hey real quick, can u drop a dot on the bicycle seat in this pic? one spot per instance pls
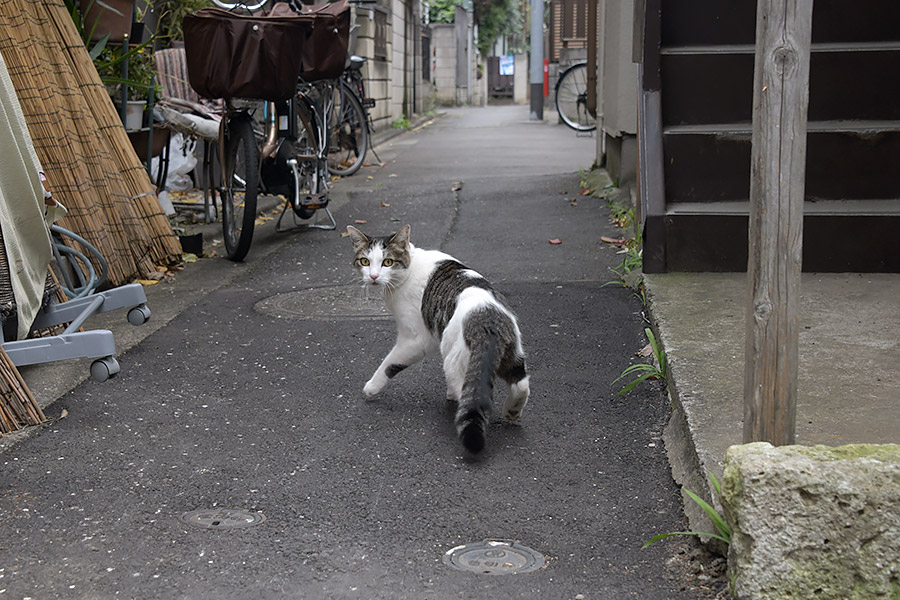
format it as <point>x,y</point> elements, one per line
<point>356,62</point>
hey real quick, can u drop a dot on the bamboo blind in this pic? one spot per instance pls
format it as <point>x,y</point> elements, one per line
<point>90,164</point>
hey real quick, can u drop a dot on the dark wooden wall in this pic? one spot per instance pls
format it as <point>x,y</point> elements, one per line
<point>698,58</point>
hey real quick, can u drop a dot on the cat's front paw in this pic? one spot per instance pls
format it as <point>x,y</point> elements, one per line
<point>512,414</point>
<point>372,387</point>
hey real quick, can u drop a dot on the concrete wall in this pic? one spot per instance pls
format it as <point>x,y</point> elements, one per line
<point>443,62</point>
<point>396,83</point>
<point>377,73</point>
<point>520,80</point>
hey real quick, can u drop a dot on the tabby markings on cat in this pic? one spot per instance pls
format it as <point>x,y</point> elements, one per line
<point>439,304</point>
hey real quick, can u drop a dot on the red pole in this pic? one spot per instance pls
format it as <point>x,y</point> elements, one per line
<point>546,77</point>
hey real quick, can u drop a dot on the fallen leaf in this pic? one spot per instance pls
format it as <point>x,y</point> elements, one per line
<point>555,241</point>
<point>360,221</point>
<point>573,203</point>
<point>586,191</point>
<point>614,241</point>
<point>645,351</point>
<point>147,281</point>
<point>392,175</point>
<point>63,414</point>
<point>189,257</point>
<point>345,234</point>
<point>384,205</point>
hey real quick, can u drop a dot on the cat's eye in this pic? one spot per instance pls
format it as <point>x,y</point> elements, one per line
<point>364,262</point>
<point>387,262</point>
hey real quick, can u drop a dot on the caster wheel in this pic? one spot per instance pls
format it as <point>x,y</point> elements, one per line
<point>139,315</point>
<point>104,368</point>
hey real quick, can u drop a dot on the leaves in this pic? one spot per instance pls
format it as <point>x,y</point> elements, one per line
<point>721,525</point>
<point>554,242</point>
<point>645,371</point>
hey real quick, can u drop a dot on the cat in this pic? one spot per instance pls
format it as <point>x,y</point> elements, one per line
<point>439,304</point>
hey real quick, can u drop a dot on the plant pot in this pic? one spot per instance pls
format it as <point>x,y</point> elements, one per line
<point>134,114</point>
<point>139,141</point>
<point>108,16</point>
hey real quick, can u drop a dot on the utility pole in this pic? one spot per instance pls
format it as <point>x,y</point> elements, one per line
<point>777,178</point>
<point>536,72</point>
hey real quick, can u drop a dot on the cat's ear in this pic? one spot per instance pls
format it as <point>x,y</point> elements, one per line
<point>359,239</point>
<point>401,238</point>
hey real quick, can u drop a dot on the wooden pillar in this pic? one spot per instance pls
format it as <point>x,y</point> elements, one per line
<point>592,37</point>
<point>778,161</point>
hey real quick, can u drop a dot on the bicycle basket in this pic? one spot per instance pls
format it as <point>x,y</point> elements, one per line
<point>238,56</point>
<point>324,55</point>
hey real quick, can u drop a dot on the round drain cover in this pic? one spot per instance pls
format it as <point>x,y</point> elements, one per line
<point>494,557</point>
<point>222,518</point>
<point>326,302</point>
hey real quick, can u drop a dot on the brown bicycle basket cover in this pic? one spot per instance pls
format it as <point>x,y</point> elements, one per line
<point>324,56</point>
<point>237,56</point>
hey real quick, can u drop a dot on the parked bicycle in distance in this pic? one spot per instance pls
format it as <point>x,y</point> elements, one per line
<point>571,98</point>
<point>274,137</point>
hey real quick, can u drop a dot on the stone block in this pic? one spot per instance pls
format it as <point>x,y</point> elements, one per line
<point>813,522</point>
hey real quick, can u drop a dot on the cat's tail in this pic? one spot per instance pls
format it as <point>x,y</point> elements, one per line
<point>475,405</point>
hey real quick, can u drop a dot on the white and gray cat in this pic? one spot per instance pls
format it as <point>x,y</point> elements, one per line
<point>438,303</point>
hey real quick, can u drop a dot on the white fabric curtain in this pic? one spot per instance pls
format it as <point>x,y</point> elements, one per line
<point>25,235</point>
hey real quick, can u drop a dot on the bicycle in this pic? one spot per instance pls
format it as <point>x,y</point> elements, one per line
<point>351,131</point>
<point>352,135</point>
<point>571,98</point>
<point>274,136</point>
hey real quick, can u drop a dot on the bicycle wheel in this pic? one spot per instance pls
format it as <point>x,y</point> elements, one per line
<point>348,139</point>
<point>571,98</point>
<point>240,186</point>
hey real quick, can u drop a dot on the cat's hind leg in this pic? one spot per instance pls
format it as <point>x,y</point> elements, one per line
<point>456,361</point>
<point>405,353</point>
<point>519,390</point>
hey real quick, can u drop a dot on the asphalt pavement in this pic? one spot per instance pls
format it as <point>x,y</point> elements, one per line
<point>244,392</point>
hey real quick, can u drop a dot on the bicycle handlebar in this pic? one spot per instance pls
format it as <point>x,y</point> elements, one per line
<point>239,4</point>
<point>251,6</point>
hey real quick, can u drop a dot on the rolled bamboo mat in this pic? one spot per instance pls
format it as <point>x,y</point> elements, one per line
<point>90,164</point>
<point>18,407</point>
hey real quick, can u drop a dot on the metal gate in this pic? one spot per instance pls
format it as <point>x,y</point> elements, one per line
<point>500,86</point>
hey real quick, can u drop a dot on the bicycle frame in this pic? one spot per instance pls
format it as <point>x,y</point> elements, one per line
<point>306,115</point>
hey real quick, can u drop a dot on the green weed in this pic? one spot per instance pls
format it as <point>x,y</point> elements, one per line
<point>402,123</point>
<point>722,528</point>
<point>645,371</point>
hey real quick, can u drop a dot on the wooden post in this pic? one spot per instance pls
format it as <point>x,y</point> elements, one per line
<point>592,37</point>
<point>778,165</point>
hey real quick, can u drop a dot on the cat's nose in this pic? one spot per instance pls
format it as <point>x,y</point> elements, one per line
<point>374,276</point>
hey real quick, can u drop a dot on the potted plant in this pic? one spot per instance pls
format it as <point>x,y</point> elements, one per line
<point>139,79</point>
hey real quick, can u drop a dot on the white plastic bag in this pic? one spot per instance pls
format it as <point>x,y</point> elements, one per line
<point>181,162</point>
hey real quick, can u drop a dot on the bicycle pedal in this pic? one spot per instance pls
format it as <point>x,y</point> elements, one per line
<point>314,202</point>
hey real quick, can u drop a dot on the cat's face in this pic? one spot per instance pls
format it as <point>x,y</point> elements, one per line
<point>381,261</point>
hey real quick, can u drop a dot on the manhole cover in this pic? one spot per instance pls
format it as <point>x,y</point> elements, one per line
<point>222,518</point>
<point>326,302</point>
<point>494,557</point>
